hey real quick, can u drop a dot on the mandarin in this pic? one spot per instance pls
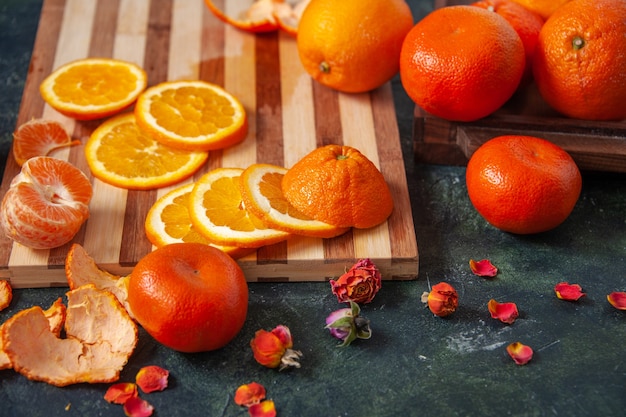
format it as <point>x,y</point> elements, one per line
<point>353,45</point>
<point>190,297</point>
<point>39,137</point>
<point>580,60</point>
<point>523,184</point>
<point>526,23</point>
<point>46,204</point>
<point>462,63</point>
<point>340,186</point>
<point>543,8</point>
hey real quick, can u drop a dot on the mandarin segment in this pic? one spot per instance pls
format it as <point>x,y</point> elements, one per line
<point>192,115</point>
<point>262,194</point>
<point>46,204</point>
<point>338,185</point>
<point>168,221</point>
<point>93,88</point>
<point>353,45</point>
<point>218,212</point>
<point>39,137</point>
<point>119,153</point>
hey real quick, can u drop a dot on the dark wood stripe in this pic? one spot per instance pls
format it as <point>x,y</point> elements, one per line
<point>135,244</point>
<point>32,105</point>
<point>401,230</point>
<point>104,29</point>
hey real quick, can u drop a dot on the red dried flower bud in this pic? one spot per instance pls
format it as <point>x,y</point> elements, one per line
<point>273,349</point>
<point>443,299</point>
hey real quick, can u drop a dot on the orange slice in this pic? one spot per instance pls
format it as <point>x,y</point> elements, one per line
<point>192,115</point>
<point>262,15</point>
<point>217,211</point>
<point>39,137</point>
<point>168,221</point>
<point>121,154</point>
<point>261,193</point>
<point>93,88</point>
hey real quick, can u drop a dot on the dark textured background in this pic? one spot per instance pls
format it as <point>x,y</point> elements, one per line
<point>415,364</point>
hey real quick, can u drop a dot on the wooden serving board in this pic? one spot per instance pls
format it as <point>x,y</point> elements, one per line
<point>595,146</point>
<point>289,116</point>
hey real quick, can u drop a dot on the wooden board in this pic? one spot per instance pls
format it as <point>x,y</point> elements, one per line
<point>595,146</point>
<point>289,116</point>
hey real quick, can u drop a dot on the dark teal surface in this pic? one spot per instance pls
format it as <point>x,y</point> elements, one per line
<point>415,364</point>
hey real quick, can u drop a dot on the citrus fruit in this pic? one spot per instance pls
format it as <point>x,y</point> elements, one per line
<point>190,297</point>
<point>523,184</point>
<point>338,185</point>
<point>262,195</point>
<point>39,137</point>
<point>46,203</point>
<point>101,337</point>
<point>579,61</point>
<point>119,153</point>
<point>168,221</point>
<point>543,8</point>
<point>353,45</point>
<point>461,63</point>
<point>191,115</point>
<point>527,24</point>
<point>6,294</point>
<point>93,88</point>
<point>217,211</point>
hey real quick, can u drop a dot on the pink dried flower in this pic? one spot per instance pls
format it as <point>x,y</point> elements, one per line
<point>360,284</point>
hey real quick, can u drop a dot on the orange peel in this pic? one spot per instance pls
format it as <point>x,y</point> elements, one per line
<point>100,338</point>
<point>6,294</point>
<point>81,269</point>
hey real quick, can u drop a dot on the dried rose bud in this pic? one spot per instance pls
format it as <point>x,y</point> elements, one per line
<point>483,268</point>
<point>617,299</point>
<point>520,353</point>
<point>346,325</point>
<point>505,312</point>
<point>442,299</point>
<point>249,394</point>
<point>569,292</point>
<point>360,284</point>
<point>273,349</point>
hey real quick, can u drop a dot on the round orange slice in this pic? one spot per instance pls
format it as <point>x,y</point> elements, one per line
<point>93,88</point>
<point>262,195</point>
<point>192,115</point>
<point>119,153</point>
<point>39,137</point>
<point>168,221</point>
<point>217,211</point>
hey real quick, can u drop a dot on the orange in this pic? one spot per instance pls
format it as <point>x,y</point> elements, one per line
<point>119,153</point>
<point>580,60</point>
<point>191,115</point>
<point>523,184</point>
<point>462,63</point>
<point>262,195</point>
<point>46,204</point>
<point>527,24</point>
<point>190,297</point>
<point>93,88</point>
<point>217,211</point>
<point>338,185</point>
<point>39,137</point>
<point>543,8</point>
<point>353,45</point>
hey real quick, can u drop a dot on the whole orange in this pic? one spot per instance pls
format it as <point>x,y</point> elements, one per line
<point>527,24</point>
<point>190,297</point>
<point>523,184</point>
<point>543,8</point>
<point>461,62</point>
<point>353,45</point>
<point>340,186</point>
<point>580,61</point>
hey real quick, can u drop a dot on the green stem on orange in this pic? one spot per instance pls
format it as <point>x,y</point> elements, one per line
<point>324,67</point>
<point>578,43</point>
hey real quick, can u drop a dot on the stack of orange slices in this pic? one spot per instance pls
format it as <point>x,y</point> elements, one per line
<point>238,209</point>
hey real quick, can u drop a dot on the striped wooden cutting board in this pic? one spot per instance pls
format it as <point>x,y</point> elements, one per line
<point>289,115</point>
